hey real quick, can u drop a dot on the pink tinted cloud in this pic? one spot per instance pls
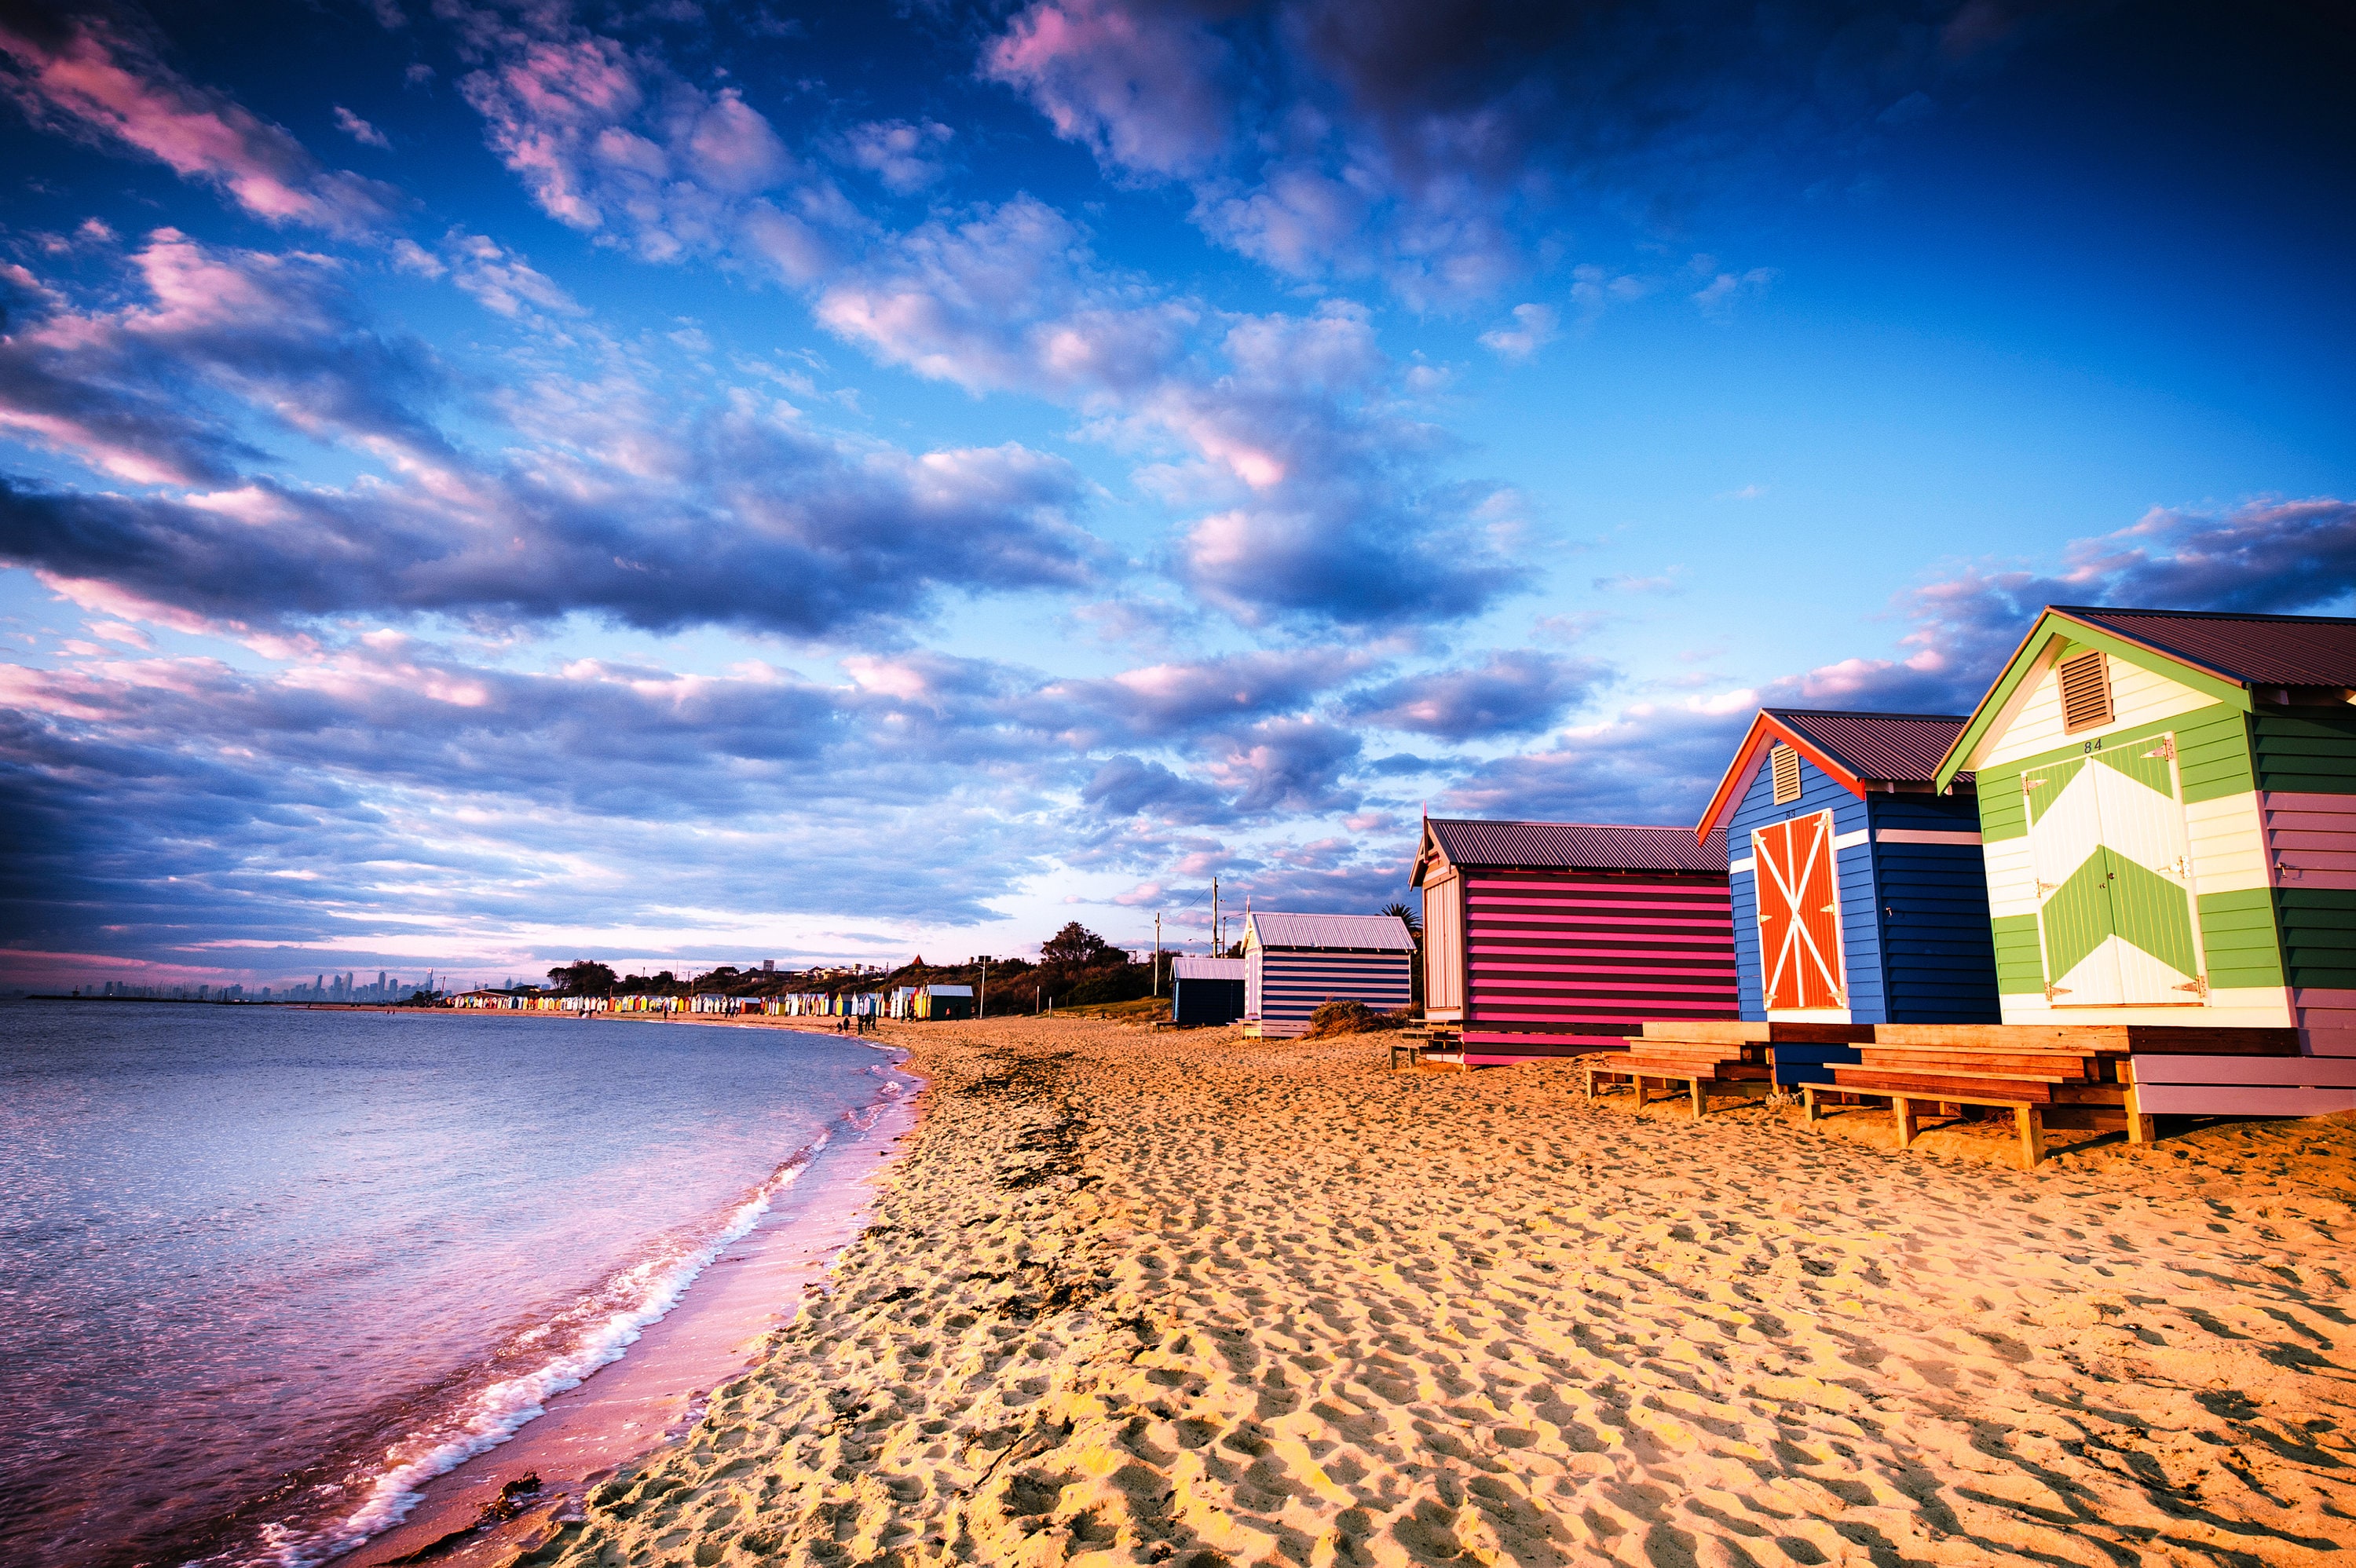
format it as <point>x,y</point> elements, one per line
<point>86,74</point>
<point>1141,86</point>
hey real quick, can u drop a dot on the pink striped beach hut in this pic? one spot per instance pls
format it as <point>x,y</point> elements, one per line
<point>1536,934</point>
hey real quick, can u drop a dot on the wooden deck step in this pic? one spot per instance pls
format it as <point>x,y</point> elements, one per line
<point>1733,1031</point>
<point>1948,1086</point>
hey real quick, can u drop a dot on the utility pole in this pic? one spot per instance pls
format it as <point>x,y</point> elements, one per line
<point>1157,952</point>
<point>981,992</point>
<point>1218,948</point>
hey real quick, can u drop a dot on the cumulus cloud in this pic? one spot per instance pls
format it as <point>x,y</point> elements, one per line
<point>1319,498</point>
<point>904,156</point>
<point>359,130</point>
<point>1425,144</point>
<point>100,75</point>
<point>1535,326</point>
<point>623,500</point>
<point>1140,85</point>
<point>1509,693</point>
<point>613,142</point>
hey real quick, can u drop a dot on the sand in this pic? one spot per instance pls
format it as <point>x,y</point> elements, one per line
<point>1137,1298</point>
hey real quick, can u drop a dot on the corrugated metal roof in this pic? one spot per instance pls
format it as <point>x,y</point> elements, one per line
<point>1382,932</point>
<point>2256,650</point>
<point>1878,748</point>
<point>1576,846</point>
<point>1206,968</point>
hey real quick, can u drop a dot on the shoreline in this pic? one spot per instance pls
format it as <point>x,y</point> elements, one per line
<point>623,1410</point>
<point>1207,1301</point>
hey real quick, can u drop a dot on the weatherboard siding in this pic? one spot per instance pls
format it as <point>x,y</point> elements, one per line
<point>1284,986</point>
<point>1595,952</point>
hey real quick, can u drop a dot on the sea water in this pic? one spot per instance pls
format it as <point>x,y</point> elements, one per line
<point>263,1271</point>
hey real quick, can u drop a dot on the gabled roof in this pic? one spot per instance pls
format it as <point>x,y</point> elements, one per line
<point>1856,750</point>
<point>1562,846</point>
<point>2255,650</point>
<point>1363,933</point>
<point>2230,657</point>
<point>1207,969</point>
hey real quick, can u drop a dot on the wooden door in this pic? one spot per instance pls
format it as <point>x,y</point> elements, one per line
<point>2150,865</point>
<point>2114,877</point>
<point>1799,914</point>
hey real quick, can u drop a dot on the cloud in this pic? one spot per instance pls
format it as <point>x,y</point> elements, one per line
<point>621,500</point>
<point>1535,326</point>
<point>1139,85</point>
<point>1436,146</point>
<point>100,76</point>
<point>1724,291</point>
<point>1164,702</point>
<point>613,142</point>
<point>502,281</point>
<point>359,130</point>
<point>1509,693</point>
<point>1315,498</point>
<point>902,156</point>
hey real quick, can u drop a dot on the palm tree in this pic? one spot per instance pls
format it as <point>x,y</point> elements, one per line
<point>1412,918</point>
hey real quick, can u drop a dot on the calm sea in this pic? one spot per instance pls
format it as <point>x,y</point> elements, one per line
<point>263,1271</point>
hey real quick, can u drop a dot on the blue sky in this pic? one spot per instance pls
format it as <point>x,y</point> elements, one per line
<point>486,485</point>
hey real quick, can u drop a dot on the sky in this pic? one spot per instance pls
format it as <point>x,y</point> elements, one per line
<point>485,486</point>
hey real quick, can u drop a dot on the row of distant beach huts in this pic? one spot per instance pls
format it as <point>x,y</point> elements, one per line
<point>2150,819</point>
<point>901,1002</point>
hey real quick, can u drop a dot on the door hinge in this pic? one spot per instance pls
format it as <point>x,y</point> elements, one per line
<point>2027,784</point>
<point>2044,888</point>
<point>2198,984</point>
<point>2053,990</point>
<point>2165,751</point>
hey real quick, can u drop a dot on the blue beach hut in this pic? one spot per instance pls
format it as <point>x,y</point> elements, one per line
<point>1206,991</point>
<point>1858,893</point>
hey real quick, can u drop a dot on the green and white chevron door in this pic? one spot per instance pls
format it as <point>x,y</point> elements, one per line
<point>2114,877</point>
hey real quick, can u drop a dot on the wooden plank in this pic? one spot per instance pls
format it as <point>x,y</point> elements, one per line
<point>2239,1100</point>
<point>1932,1086</point>
<point>2052,1063</point>
<point>2298,1072</point>
<point>1751,1030</point>
<point>2114,1039</point>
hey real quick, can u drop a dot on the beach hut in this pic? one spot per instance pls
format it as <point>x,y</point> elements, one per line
<point>1536,933</point>
<point>1207,991</point>
<point>944,1002</point>
<point>2169,803</point>
<point>1857,891</point>
<point>1293,961</point>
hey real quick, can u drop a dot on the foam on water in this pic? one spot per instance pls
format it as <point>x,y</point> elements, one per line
<point>265,1274</point>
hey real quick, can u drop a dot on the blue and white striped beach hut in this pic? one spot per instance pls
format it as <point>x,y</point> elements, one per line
<point>1293,961</point>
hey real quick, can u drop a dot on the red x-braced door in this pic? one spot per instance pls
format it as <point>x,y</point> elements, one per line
<point>1799,914</point>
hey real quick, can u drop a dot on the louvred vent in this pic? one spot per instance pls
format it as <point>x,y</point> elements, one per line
<point>2085,691</point>
<point>1786,763</point>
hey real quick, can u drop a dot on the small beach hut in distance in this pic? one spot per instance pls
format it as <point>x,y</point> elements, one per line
<point>1295,961</point>
<point>1535,933</point>
<point>2168,802</point>
<point>1858,890</point>
<point>1206,991</point>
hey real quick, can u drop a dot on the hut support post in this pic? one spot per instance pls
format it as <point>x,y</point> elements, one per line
<point>1809,1110</point>
<point>1697,1097</point>
<point>2140,1129</point>
<point>2031,1124</point>
<point>1902,1109</point>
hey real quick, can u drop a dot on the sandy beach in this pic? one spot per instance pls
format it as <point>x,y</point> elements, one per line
<point>1133,1299</point>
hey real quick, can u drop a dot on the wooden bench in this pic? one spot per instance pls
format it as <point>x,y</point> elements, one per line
<point>2027,1115</point>
<point>1694,1063</point>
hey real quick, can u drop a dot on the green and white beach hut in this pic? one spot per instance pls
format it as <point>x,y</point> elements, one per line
<point>2168,817</point>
